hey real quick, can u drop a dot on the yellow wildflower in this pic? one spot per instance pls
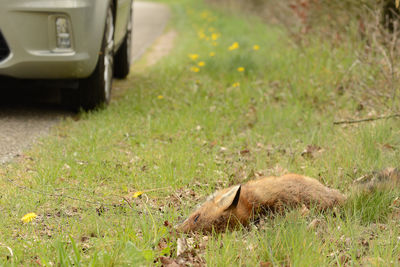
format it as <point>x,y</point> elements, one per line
<point>234,46</point>
<point>215,36</point>
<point>29,217</point>
<point>212,54</point>
<point>193,56</point>
<point>214,43</point>
<point>240,69</point>
<point>256,47</point>
<point>236,84</point>
<point>201,35</point>
<point>201,64</point>
<point>137,194</point>
<point>160,97</point>
<point>194,69</point>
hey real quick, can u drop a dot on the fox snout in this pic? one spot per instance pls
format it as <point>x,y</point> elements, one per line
<point>214,213</point>
<point>182,226</point>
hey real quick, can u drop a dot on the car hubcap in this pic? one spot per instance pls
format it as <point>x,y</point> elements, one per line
<point>108,54</point>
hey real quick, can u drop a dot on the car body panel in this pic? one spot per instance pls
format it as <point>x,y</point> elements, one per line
<point>122,16</point>
<point>28,26</point>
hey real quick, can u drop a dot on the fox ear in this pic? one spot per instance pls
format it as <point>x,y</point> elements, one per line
<point>230,199</point>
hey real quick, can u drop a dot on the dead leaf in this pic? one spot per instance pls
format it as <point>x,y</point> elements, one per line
<point>277,171</point>
<point>66,167</point>
<point>312,151</point>
<point>314,224</point>
<point>304,211</point>
<point>190,252</point>
<point>244,152</point>
<point>396,202</point>
<point>344,259</point>
<point>162,244</point>
<point>265,264</point>
<point>181,246</point>
<point>100,210</point>
<point>84,238</point>
<point>388,147</point>
<point>168,262</point>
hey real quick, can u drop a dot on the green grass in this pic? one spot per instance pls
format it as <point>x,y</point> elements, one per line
<point>177,135</point>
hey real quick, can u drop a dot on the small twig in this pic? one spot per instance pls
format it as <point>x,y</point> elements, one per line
<point>156,189</point>
<point>127,201</point>
<point>61,196</point>
<point>367,119</point>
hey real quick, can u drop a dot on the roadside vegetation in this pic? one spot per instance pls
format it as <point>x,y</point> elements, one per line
<point>237,99</point>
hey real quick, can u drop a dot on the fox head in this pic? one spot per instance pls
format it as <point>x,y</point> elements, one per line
<point>218,212</point>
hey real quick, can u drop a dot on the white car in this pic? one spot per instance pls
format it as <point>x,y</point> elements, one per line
<point>81,44</point>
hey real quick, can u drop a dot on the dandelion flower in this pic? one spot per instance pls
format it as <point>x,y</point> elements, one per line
<point>214,36</point>
<point>212,54</point>
<point>236,84</point>
<point>137,194</point>
<point>29,217</point>
<point>234,46</point>
<point>193,56</point>
<point>160,97</point>
<point>240,69</point>
<point>201,64</point>
<point>256,47</point>
<point>194,69</point>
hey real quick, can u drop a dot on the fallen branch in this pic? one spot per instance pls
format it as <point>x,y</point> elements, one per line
<point>365,120</point>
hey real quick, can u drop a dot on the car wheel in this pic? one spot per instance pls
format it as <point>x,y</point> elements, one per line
<point>95,90</point>
<point>122,57</point>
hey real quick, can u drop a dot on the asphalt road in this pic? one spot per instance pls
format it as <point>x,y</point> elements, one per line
<point>26,114</point>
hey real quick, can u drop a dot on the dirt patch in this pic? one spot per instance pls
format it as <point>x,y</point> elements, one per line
<point>161,48</point>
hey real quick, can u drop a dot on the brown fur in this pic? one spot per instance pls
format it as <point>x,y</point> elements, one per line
<point>239,204</point>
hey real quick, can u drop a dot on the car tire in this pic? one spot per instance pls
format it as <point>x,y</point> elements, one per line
<point>122,57</point>
<point>95,91</point>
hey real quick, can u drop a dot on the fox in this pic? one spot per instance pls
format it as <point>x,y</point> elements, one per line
<point>240,204</point>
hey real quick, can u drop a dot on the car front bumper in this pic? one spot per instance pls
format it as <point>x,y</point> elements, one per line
<point>28,28</point>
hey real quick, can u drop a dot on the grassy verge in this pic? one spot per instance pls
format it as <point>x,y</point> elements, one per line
<point>212,114</point>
